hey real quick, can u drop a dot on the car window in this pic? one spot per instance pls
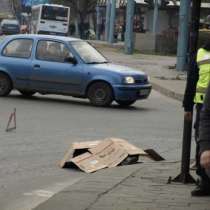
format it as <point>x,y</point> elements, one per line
<point>88,53</point>
<point>52,51</point>
<point>20,48</point>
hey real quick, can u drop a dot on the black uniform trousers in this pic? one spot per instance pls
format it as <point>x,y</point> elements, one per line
<point>200,171</point>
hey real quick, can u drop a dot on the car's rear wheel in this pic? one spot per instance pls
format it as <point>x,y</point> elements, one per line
<point>126,103</point>
<point>100,94</point>
<point>27,93</point>
<point>5,85</point>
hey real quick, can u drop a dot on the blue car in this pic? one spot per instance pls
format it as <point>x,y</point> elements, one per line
<point>67,66</point>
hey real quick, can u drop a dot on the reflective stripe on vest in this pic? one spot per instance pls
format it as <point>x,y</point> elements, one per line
<point>203,60</point>
<point>201,90</point>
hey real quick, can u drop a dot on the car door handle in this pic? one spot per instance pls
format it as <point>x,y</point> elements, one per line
<point>36,66</point>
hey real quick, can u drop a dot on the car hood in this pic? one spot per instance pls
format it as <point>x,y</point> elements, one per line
<point>123,70</point>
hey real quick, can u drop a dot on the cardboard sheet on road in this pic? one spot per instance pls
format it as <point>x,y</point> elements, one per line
<point>95,155</point>
<point>109,153</point>
<point>88,162</point>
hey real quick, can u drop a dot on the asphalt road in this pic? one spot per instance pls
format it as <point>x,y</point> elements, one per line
<point>46,125</point>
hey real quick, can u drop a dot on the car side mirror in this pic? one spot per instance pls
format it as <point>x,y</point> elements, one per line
<point>70,60</point>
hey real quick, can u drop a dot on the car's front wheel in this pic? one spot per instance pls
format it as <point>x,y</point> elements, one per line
<point>126,103</point>
<point>100,94</point>
<point>5,85</point>
<point>27,93</point>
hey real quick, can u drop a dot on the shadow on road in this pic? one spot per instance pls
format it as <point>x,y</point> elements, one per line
<point>79,102</point>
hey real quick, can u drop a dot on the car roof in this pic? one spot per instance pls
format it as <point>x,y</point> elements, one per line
<point>40,36</point>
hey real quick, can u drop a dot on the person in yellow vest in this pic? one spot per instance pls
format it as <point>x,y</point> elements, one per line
<point>203,62</point>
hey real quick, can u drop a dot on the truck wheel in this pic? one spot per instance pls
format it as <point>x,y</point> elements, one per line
<point>5,85</point>
<point>100,94</point>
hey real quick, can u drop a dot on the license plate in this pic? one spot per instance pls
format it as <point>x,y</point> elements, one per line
<point>144,92</point>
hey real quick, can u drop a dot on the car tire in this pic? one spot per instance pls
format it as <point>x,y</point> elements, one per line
<point>27,93</point>
<point>125,103</point>
<point>100,94</point>
<point>5,85</point>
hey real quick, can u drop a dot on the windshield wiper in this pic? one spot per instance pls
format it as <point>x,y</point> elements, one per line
<point>97,62</point>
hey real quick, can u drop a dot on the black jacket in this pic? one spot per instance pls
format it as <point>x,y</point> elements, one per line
<point>204,139</point>
<point>192,79</point>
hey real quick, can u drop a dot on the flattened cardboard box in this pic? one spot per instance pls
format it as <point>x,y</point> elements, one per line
<point>109,153</point>
<point>131,149</point>
<point>95,155</point>
<point>75,149</point>
<point>88,162</point>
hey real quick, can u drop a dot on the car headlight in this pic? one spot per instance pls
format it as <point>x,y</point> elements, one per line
<point>129,80</point>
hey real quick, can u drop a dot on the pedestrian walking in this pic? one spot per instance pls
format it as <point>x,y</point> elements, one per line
<point>196,87</point>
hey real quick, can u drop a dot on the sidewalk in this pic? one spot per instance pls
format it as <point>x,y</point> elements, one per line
<point>142,186</point>
<point>164,77</point>
<point>136,187</point>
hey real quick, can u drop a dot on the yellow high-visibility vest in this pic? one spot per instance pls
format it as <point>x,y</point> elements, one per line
<point>203,61</point>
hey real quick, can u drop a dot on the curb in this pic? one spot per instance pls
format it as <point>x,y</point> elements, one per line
<point>167,92</point>
<point>106,45</point>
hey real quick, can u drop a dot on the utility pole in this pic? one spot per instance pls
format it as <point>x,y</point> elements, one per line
<point>97,22</point>
<point>129,36</point>
<point>155,17</point>
<point>185,176</point>
<point>112,21</point>
<point>183,39</point>
<point>108,13</point>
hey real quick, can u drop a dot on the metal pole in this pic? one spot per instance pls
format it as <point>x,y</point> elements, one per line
<point>183,34</point>
<point>97,22</point>
<point>112,21</point>
<point>185,176</point>
<point>76,27</point>
<point>155,17</point>
<point>108,13</point>
<point>129,36</point>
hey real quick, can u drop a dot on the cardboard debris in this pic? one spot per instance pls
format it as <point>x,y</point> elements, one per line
<point>109,153</point>
<point>131,149</point>
<point>85,145</point>
<point>88,162</point>
<point>95,155</point>
<point>154,155</point>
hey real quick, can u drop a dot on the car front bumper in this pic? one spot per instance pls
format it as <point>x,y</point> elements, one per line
<point>132,92</point>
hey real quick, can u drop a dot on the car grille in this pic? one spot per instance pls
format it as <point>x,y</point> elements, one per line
<point>141,81</point>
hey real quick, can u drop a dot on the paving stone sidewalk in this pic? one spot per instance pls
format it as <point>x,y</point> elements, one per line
<point>136,187</point>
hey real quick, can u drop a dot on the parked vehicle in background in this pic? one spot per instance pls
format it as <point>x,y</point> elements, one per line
<point>50,19</point>
<point>67,66</point>
<point>10,26</point>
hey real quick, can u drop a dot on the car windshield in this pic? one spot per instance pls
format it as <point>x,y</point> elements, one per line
<point>88,53</point>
